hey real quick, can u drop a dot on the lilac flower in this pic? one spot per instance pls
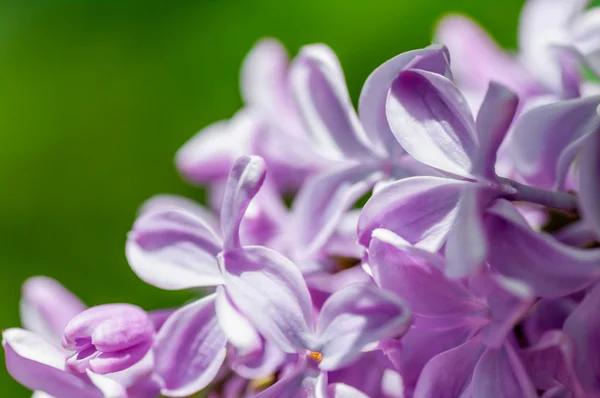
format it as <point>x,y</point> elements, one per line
<point>363,150</point>
<point>553,37</point>
<point>350,320</point>
<point>268,126</point>
<point>465,212</point>
<point>106,352</point>
<point>445,284</point>
<point>454,322</point>
<point>173,249</point>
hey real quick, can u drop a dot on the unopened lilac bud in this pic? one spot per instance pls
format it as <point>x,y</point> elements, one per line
<point>108,338</point>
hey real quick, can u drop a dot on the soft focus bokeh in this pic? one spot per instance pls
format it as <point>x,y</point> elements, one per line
<point>96,97</point>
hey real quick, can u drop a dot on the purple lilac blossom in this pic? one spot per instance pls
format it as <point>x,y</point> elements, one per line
<point>473,270</point>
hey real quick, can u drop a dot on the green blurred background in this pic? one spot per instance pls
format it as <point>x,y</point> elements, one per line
<point>96,97</point>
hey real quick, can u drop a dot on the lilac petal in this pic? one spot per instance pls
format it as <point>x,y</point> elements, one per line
<point>190,348</point>
<point>546,139</point>
<point>109,327</point>
<point>245,179</point>
<point>432,121</point>
<point>419,345</point>
<point>41,394</point>
<point>476,58</point>
<point>270,291</point>
<point>449,374</point>
<point>549,267</point>
<point>550,362</point>
<point>547,315</point>
<point>38,365</point>
<point>500,373</point>
<point>541,23</point>
<point>116,361</point>
<point>159,317</point>
<point>323,99</point>
<point>169,202</point>
<point>493,120</point>
<point>374,93</point>
<point>372,373</point>
<point>589,182</point>
<point>265,218</point>
<point>508,301</point>
<point>303,382</point>
<point>47,306</point>
<point>341,390</point>
<point>239,331</point>
<point>357,315</point>
<point>208,156</point>
<point>323,200</point>
<point>262,363</point>
<point>582,326</point>
<point>414,276</point>
<point>109,387</point>
<point>264,75</point>
<point>419,209</point>
<point>173,250</point>
<point>466,248</point>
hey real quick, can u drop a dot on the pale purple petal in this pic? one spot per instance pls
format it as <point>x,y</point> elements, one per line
<point>208,156</point>
<point>589,182</point>
<point>303,382</point>
<point>245,179</point>
<point>582,326</point>
<point>323,100</point>
<point>239,331</point>
<point>159,317</point>
<point>508,301</point>
<point>432,121</point>
<point>543,23</point>
<point>500,373</point>
<point>173,250</point>
<point>546,139</point>
<point>549,267</point>
<point>264,76</point>
<point>355,316</point>
<point>372,373</point>
<point>374,93</point>
<point>269,290</point>
<point>546,315</point>
<point>41,394</point>
<point>109,387</point>
<point>116,361</point>
<point>190,348</point>
<point>266,217</point>
<point>449,374</point>
<point>419,345</point>
<point>169,202</point>
<point>417,277</point>
<point>477,59</point>
<point>109,327</point>
<point>38,365</point>
<point>551,361</point>
<point>493,121</point>
<point>262,363</point>
<point>341,390</point>
<point>47,306</point>
<point>421,210</point>
<point>466,248</point>
<point>323,200</point>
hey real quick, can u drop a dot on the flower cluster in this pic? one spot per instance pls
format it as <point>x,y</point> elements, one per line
<point>441,242</point>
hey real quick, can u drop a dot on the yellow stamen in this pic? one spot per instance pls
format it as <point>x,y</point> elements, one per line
<point>317,356</point>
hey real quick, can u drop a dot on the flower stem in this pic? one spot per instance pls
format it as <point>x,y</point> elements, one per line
<point>556,200</point>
